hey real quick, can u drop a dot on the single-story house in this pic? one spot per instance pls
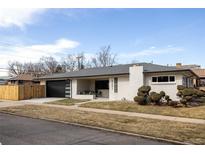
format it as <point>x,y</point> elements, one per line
<point>117,82</point>
<point>23,79</point>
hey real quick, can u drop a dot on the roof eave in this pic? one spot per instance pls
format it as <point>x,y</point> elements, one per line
<point>173,71</point>
<point>69,77</point>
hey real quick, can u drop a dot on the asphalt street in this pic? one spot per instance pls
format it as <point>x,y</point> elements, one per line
<point>16,130</point>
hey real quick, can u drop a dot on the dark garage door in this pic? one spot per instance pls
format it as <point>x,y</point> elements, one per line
<point>55,88</point>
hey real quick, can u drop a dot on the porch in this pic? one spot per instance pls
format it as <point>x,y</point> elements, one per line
<point>91,88</point>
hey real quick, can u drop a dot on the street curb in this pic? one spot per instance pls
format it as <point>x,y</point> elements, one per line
<point>104,129</point>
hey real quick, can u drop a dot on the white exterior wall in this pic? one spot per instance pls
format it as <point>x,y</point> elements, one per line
<point>123,88</point>
<point>127,85</point>
<point>74,88</point>
<point>169,88</point>
<point>136,79</point>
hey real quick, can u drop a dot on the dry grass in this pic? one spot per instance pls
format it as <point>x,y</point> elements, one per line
<point>194,112</point>
<point>185,132</point>
<point>68,101</point>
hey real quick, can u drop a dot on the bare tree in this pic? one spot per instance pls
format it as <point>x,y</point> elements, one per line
<point>104,57</point>
<point>35,69</point>
<point>49,64</point>
<point>69,63</point>
<point>15,68</point>
<point>46,65</point>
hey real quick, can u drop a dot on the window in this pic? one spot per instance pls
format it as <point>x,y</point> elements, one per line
<point>172,78</point>
<point>154,79</point>
<point>187,82</point>
<point>115,85</point>
<point>184,81</point>
<point>163,79</point>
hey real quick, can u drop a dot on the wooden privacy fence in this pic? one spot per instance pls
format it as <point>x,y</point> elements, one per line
<point>21,92</point>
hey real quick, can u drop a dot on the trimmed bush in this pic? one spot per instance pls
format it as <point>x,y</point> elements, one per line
<point>188,92</point>
<point>162,93</point>
<point>183,101</point>
<point>188,98</point>
<point>180,87</point>
<point>155,97</point>
<point>149,100</point>
<point>140,100</point>
<point>202,99</point>
<point>142,95</point>
<point>167,97</point>
<point>179,93</point>
<point>139,93</point>
<point>145,89</point>
<point>199,93</point>
<point>151,93</point>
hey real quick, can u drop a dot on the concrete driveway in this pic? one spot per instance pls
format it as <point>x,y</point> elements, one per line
<point>21,130</point>
<point>9,103</point>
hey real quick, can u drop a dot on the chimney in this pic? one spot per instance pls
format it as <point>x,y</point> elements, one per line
<point>178,65</point>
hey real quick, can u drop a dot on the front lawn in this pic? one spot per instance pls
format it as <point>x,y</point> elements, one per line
<point>194,112</point>
<point>185,132</point>
<point>68,101</point>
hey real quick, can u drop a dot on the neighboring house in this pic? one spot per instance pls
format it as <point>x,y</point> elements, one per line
<point>117,82</point>
<point>22,79</point>
<point>3,80</point>
<point>201,74</point>
<point>197,70</point>
<point>190,66</point>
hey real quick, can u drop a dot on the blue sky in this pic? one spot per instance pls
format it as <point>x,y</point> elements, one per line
<point>164,36</point>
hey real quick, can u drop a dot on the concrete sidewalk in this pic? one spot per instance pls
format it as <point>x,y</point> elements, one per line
<point>133,114</point>
<point>41,100</point>
<point>10,104</point>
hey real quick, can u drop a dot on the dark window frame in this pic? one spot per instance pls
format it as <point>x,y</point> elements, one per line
<point>164,79</point>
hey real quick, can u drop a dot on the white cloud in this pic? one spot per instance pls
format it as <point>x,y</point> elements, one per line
<point>18,17</point>
<point>152,47</point>
<point>32,53</point>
